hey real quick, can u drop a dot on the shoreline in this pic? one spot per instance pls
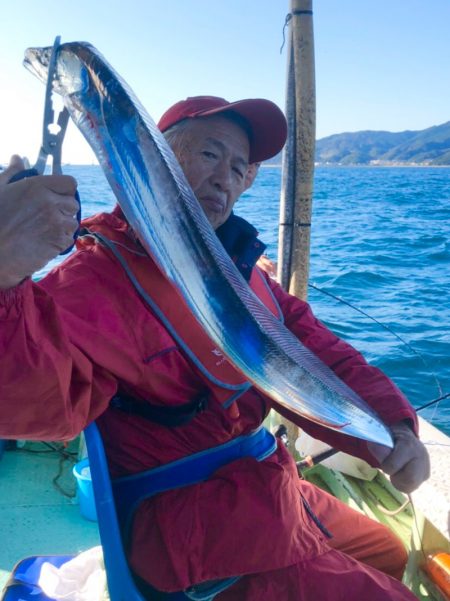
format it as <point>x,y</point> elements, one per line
<point>366,165</point>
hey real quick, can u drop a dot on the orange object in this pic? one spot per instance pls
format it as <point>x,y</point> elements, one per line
<point>438,568</point>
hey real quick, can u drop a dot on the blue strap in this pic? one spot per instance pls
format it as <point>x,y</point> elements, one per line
<point>172,417</point>
<point>129,491</point>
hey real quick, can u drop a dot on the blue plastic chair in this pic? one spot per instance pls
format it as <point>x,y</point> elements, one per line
<point>120,581</point>
<point>121,584</point>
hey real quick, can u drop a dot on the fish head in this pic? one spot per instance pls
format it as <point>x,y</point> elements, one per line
<point>75,78</point>
<point>37,61</point>
<point>71,73</point>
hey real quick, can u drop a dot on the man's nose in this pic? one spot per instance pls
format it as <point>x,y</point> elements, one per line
<point>222,175</point>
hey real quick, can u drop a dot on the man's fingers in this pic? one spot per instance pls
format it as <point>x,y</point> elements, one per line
<point>405,450</point>
<point>67,205</point>
<point>57,190</point>
<point>395,461</point>
<point>411,476</point>
<point>379,451</point>
<point>61,184</point>
<point>63,241</point>
<point>404,482</point>
<point>16,163</point>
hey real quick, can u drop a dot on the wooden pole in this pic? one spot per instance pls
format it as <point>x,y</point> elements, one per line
<point>298,162</point>
<point>298,158</point>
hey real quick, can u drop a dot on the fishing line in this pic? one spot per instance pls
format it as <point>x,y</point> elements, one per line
<point>391,331</point>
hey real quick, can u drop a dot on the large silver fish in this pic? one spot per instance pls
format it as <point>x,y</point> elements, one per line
<point>163,211</point>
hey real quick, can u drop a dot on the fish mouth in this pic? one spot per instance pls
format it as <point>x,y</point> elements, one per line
<point>37,60</point>
<point>69,77</point>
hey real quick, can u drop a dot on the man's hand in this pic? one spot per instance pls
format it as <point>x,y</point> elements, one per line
<point>269,266</point>
<point>38,220</point>
<point>408,463</point>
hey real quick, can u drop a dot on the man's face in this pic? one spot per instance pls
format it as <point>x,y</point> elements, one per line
<point>214,157</point>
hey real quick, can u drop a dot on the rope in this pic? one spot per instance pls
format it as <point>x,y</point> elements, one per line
<point>392,512</point>
<point>288,20</point>
<point>64,456</point>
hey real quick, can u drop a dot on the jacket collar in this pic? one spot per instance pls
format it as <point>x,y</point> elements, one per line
<point>240,240</point>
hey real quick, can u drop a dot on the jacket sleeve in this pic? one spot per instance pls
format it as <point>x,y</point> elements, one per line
<point>369,382</point>
<point>47,383</point>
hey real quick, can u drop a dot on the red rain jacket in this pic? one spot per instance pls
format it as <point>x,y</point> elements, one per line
<point>69,342</point>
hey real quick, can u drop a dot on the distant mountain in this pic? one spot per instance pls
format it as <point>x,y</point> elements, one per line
<point>426,147</point>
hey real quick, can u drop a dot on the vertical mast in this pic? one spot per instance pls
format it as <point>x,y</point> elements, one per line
<point>298,158</point>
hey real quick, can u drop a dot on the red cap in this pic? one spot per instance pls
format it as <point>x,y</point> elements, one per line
<point>267,124</point>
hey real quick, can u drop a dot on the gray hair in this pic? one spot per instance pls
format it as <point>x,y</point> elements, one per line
<point>175,135</point>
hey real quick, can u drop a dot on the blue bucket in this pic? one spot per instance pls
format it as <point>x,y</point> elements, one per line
<point>85,491</point>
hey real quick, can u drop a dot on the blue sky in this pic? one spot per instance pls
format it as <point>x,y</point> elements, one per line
<point>380,64</point>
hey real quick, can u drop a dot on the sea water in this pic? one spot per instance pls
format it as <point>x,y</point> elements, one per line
<point>380,241</point>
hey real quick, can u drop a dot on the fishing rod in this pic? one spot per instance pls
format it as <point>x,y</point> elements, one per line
<point>433,402</point>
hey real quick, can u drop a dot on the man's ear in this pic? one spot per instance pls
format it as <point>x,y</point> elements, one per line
<point>251,174</point>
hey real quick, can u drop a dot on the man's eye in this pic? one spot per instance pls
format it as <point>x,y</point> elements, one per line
<point>209,155</point>
<point>238,171</point>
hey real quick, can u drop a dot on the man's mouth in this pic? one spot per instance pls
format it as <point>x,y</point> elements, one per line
<point>211,203</point>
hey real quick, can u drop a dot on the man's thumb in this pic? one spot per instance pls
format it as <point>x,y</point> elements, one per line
<point>16,164</point>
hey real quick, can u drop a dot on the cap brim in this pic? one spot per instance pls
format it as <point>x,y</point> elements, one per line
<point>268,127</point>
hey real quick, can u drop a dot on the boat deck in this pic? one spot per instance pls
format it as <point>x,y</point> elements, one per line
<point>433,497</point>
<point>35,516</point>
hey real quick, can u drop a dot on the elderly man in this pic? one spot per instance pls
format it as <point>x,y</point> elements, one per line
<point>83,336</point>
